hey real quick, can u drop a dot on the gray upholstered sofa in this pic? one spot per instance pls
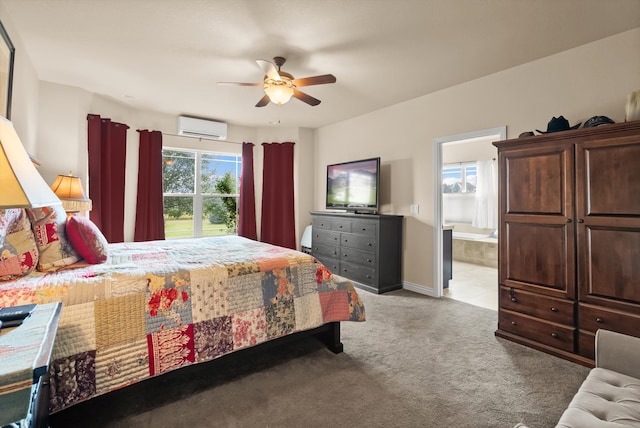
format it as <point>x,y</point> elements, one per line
<point>610,395</point>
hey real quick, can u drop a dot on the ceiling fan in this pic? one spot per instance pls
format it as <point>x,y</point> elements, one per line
<point>279,86</point>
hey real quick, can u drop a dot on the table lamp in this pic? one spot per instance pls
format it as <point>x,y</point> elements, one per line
<point>69,189</point>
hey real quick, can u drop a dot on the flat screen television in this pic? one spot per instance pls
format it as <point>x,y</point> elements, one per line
<point>354,186</point>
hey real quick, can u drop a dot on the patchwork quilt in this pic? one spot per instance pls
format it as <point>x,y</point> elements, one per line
<point>161,305</point>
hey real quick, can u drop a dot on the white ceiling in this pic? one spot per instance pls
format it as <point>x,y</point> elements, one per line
<point>167,55</point>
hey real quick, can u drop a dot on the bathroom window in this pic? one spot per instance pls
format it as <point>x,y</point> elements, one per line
<point>459,178</point>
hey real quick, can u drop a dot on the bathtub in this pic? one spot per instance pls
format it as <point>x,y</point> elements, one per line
<point>475,248</point>
<point>470,236</point>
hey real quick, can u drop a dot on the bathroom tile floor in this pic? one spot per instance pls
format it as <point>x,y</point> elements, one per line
<point>474,284</point>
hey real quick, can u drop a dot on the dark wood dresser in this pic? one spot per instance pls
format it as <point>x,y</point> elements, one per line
<point>569,241</point>
<point>365,248</point>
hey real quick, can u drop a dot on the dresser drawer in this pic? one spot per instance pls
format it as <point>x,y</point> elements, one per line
<point>330,263</point>
<point>326,250</point>
<point>364,228</point>
<point>341,225</point>
<point>362,258</point>
<point>549,333</point>
<point>362,274</point>
<point>591,318</point>
<point>321,223</point>
<point>361,242</point>
<point>325,237</point>
<point>548,308</point>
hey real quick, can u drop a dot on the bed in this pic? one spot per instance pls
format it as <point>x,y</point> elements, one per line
<point>154,307</point>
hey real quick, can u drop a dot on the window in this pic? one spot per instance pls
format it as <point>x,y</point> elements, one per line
<point>459,178</point>
<point>201,191</point>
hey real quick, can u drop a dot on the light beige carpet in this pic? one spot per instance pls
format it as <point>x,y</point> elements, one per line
<point>416,362</point>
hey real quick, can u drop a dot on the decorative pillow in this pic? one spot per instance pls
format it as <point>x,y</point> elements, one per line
<point>18,250</point>
<point>87,239</point>
<point>48,226</point>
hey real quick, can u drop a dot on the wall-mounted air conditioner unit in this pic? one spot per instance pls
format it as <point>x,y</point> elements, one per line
<point>201,128</point>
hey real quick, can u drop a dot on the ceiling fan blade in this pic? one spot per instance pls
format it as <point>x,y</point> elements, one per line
<point>269,69</point>
<point>315,80</point>
<point>305,98</point>
<point>263,101</point>
<point>239,84</point>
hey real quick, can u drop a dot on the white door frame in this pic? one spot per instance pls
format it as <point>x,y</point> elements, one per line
<point>500,133</point>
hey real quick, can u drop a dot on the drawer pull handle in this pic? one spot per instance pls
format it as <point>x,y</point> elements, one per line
<point>364,229</point>
<point>369,260</point>
<point>554,335</point>
<point>569,220</point>
<point>599,320</point>
<point>554,309</point>
<point>581,220</point>
<point>513,323</point>
<point>369,244</point>
<point>514,300</point>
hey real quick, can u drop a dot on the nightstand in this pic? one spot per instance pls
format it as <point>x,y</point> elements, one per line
<point>25,352</point>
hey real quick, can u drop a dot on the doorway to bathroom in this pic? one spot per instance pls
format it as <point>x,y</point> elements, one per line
<point>467,203</point>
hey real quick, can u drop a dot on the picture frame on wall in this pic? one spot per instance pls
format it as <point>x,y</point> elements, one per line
<point>7,53</point>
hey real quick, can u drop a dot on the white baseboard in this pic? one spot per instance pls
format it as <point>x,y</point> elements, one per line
<point>420,289</point>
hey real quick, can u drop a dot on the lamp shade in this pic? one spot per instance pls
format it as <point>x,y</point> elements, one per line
<point>70,191</point>
<point>21,185</point>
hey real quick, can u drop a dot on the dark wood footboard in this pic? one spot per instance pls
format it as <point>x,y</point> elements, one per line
<point>330,336</point>
<point>151,392</point>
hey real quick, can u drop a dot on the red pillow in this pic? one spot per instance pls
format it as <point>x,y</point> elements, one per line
<point>87,239</point>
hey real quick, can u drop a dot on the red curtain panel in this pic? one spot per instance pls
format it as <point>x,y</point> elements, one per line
<point>278,220</point>
<point>149,207</point>
<point>107,144</point>
<point>247,203</point>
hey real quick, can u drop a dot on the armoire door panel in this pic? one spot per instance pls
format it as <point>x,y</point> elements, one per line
<point>538,183</point>
<point>538,254</point>
<point>612,179</point>
<point>611,263</point>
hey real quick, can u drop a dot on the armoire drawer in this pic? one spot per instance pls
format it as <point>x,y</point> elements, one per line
<point>587,344</point>
<point>592,318</point>
<point>549,333</point>
<point>537,305</point>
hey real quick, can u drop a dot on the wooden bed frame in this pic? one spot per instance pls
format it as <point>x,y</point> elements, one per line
<point>328,334</point>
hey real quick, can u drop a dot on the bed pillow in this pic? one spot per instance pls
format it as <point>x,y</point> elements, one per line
<point>87,239</point>
<point>18,250</point>
<point>55,250</point>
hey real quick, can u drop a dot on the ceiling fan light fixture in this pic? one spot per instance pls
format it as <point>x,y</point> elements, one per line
<point>279,92</point>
